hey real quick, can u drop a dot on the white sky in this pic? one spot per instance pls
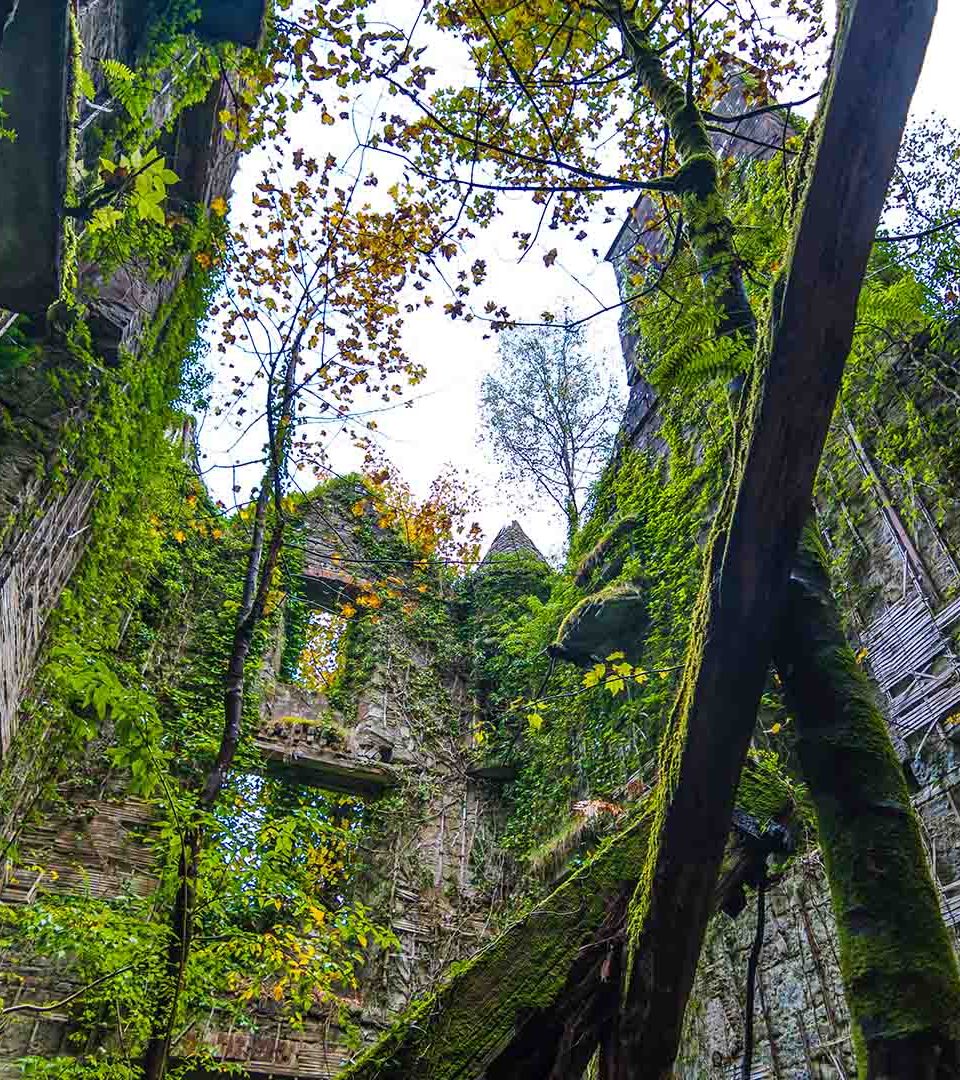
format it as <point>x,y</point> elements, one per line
<point>441,426</point>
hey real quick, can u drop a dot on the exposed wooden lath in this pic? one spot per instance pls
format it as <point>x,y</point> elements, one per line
<point>33,571</point>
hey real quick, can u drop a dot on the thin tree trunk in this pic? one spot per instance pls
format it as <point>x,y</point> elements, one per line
<point>899,968</point>
<point>256,587</point>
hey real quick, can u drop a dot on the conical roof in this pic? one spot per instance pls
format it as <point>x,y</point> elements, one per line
<point>512,540</point>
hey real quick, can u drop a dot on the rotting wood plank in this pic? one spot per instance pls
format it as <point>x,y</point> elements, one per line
<point>508,989</point>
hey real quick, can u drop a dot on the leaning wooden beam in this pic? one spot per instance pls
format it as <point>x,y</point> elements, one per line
<point>537,1001</point>
<point>483,1006</point>
<point>899,968</point>
<point>786,416</point>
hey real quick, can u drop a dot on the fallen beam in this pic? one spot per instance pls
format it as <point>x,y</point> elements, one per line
<point>753,544</point>
<point>899,968</point>
<point>497,1004</point>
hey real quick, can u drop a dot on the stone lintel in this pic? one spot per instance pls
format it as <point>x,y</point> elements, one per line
<point>328,586</point>
<point>326,768</point>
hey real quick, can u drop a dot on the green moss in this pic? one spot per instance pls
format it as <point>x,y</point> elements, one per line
<point>604,556</point>
<point>899,968</point>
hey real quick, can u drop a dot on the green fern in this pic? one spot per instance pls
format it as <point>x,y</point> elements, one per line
<point>125,87</point>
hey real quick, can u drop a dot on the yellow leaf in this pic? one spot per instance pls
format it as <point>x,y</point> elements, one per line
<point>594,675</point>
<point>219,206</point>
<point>618,655</point>
<point>347,611</point>
<point>535,720</point>
<point>179,535</point>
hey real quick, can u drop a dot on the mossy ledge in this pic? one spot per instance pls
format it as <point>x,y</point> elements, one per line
<point>599,554</point>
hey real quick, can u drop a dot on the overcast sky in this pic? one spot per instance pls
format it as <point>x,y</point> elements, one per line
<point>441,426</point>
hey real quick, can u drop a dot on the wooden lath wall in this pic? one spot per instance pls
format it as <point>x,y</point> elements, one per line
<point>34,569</point>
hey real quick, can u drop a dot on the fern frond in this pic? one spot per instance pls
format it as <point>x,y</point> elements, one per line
<point>126,87</point>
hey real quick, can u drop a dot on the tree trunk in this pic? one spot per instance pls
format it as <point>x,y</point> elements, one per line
<point>157,1052</point>
<point>899,968</point>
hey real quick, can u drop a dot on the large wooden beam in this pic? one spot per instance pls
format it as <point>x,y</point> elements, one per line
<point>782,431</point>
<point>899,968</point>
<point>501,1013</point>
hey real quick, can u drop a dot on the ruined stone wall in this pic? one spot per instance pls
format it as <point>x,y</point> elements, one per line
<point>430,867</point>
<point>802,1026</point>
<point>903,616</point>
<point>46,501</point>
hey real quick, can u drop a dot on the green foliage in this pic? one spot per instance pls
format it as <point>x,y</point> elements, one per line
<point>5,132</point>
<point>133,94</point>
<point>141,179</point>
<point>567,739</point>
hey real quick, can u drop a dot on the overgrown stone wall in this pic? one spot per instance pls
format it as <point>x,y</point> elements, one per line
<point>397,741</point>
<point>801,1020</point>
<point>45,496</point>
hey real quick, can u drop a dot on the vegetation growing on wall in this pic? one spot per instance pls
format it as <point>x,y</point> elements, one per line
<point>254,903</point>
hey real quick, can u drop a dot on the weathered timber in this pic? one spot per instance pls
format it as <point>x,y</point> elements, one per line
<point>540,999</point>
<point>501,1006</point>
<point>751,550</point>
<point>899,969</point>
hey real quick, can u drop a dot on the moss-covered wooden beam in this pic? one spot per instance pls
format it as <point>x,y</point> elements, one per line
<point>801,358</point>
<point>501,999</point>
<point>537,1002</point>
<point>899,968</point>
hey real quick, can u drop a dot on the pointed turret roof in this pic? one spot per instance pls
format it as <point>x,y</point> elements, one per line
<point>512,540</point>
